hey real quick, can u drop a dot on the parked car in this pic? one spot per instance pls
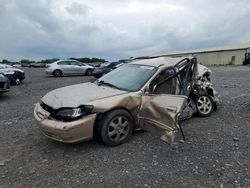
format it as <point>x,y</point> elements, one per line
<point>150,94</point>
<point>15,75</point>
<point>104,69</point>
<point>37,65</point>
<point>3,66</point>
<point>95,64</point>
<point>17,65</point>
<point>69,67</point>
<point>4,84</point>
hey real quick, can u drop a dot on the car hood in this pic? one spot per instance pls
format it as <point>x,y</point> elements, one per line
<point>80,94</point>
<point>6,70</point>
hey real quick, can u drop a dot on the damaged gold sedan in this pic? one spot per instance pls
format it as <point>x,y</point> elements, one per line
<point>151,94</point>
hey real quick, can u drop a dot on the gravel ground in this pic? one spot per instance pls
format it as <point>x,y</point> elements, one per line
<point>216,152</point>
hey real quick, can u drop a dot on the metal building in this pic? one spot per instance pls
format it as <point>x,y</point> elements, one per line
<point>228,55</point>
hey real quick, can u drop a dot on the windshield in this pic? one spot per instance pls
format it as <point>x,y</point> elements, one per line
<point>129,77</point>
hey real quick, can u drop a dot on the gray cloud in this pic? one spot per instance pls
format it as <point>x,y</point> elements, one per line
<point>118,29</point>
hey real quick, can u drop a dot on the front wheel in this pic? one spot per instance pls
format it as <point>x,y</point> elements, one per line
<point>89,72</point>
<point>204,105</point>
<point>116,128</point>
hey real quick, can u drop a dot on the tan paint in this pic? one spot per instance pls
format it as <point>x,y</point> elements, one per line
<point>129,101</point>
<point>69,132</point>
<point>156,113</point>
<point>159,114</point>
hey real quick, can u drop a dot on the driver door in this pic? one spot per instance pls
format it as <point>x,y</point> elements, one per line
<point>162,105</point>
<point>76,67</point>
<point>159,114</point>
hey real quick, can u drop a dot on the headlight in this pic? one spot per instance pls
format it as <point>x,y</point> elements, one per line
<point>67,114</point>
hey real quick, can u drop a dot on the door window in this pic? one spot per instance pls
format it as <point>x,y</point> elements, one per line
<point>63,63</point>
<point>75,63</point>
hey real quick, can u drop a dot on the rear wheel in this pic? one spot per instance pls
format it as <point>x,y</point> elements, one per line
<point>116,128</point>
<point>89,72</point>
<point>57,73</point>
<point>205,105</point>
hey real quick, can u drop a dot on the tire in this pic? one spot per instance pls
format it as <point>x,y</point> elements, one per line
<point>116,127</point>
<point>57,73</point>
<point>204,105</point>
<point>89,72</point>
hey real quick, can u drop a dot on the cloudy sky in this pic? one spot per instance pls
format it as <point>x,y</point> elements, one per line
<point>115,29</point>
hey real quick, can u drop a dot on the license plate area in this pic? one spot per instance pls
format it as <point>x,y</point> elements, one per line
<point>41,113</point>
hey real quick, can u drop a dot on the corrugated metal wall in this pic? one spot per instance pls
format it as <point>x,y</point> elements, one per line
<point>233,57</point>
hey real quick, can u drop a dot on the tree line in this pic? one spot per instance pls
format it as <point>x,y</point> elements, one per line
<point>48,61</point>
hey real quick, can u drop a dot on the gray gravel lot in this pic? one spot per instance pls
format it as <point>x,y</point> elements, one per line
<point>216,152</point>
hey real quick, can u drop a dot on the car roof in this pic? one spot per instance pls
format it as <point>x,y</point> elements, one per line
<point>162,61</point>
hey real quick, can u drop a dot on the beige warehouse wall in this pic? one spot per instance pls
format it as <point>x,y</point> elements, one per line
<point>213,58</point>
<point>239,56</point>
<point>219,57</point>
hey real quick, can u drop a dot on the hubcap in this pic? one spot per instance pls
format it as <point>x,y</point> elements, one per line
<point>204,105</point>
<point>118,128</point>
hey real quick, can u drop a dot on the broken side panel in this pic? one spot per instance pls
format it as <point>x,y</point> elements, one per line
<point>159,114</point>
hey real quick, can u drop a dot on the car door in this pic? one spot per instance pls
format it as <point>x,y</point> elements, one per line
<point>83,68</point>
<point>159,114</point>
<point>75,67</point>
<point>65,67</point>
<point>162,105</point>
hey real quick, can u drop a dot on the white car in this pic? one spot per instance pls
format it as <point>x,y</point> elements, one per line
<point>68,67</point>
<point>3,66</point>
<point>15,75</point>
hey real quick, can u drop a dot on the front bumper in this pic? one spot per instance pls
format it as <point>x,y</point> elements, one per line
<point>68,132</point>
<point>4,86</point>
<point>3,91</point>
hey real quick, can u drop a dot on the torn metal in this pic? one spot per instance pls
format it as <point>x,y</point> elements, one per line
<point>173,89</point>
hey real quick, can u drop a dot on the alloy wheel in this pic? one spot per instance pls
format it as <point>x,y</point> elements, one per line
<point>118,128</point>
<point>204,105</point>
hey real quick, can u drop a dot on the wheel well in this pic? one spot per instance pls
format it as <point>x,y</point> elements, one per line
<point>101,115</point>
<point>89,69</point>
<point>57,70</point>
<point>210,92</point>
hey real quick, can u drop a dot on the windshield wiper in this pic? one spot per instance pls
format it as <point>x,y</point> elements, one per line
<point>99,83</point>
